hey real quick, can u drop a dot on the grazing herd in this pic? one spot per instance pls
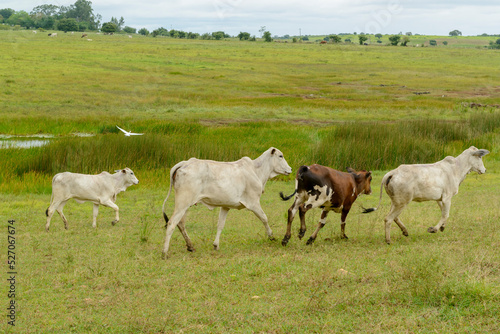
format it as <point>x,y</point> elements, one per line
<point>240,184</point>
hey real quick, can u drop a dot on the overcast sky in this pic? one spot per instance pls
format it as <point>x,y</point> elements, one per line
<point>313,17</point>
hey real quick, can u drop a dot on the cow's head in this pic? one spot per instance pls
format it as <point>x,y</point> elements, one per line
<point>363,181</point>
<point>476,161</point>
<point>128,176</point>
<point>278,163</point>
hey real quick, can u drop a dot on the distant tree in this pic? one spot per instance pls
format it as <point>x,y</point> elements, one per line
<point>347,40</point>
<point>143,31</point>
<point>362,39</point>
<point>455,33</point>
<point>173,33</point>
<point>45,10</point>
<point>445,42</point>
<point>81,11</point>
<point>379,36</point>
<point>67,25</point>
<point>261,30</point>
<point>6,13</point>
<point>218,35</point>
<point>83,26</point>
<point>253,38</point>
<point>305,38</point>
<point>160,32</point>
<point>409,33</point>
<point>335,39</point>
<point>495,45</point>
<point>129,30</point>
<point>109,28</point>
<point>433,42</point>
<point>206,36</point>
<point>20,18</point>
<point>119,23</point>
<point>244,36</point>
<point>267,36</point>
<point>394,39</point>
<point>47,22</point>
<point>294,40</point>
<point>182,34</point>
<point>405,40</point>
<point>193,35</point>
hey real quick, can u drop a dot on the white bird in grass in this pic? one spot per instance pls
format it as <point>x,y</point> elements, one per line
<point>128,133</point>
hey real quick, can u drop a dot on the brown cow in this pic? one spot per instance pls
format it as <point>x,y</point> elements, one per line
<point>327,188</point>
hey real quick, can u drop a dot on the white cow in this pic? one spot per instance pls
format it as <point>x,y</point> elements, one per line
<point>99,189</point>
<point>430,182</point>
<point>228,185</point>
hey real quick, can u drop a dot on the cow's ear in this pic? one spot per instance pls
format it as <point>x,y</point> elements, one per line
<point>124,171</point>
<point>350,170</point>
<point>272,151</point>
<point>480,153</point>
<point>368,174</point>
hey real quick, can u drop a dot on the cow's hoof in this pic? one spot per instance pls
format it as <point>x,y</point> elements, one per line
<point>164,256</point>
<point>441,228</point>
<point>216,247</point>
<point>284,242</point>
<point>271,238</point>
<point>405,233</point>
<point>114,222</point>
<point>310,241</point>
<point>191,249</point>
<point>301,234</point>
<point>432,230</point>
<point>344,237</point>
<point>388,242</point>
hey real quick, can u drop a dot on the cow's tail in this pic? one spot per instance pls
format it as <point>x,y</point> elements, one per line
<point>300,172</point>
<point>385,181</point>
<point>173,170</point>
<point>286,198</point>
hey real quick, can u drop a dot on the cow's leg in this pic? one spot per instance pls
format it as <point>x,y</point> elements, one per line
<point>61,214</point>
<point>172,223</point>
<point>393,214</point>
<point>95,212</point>
<point>445,205</point>
<point>302,216</point>
<point>401,226</point>
<point>220,226</point>
<point>257,210</point>
<point>343,216</point>
<point>322,223</point>
<point>109,203</point>
<point>182,228</point>
<point>50,211</point>
<point>291,214</point>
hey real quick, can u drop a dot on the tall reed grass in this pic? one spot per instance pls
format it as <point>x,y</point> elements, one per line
<point>361,145</point>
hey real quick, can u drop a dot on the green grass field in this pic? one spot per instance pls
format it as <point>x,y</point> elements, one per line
<point>339,105</point>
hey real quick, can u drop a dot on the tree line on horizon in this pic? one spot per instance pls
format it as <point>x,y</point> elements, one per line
<point>80,16</point>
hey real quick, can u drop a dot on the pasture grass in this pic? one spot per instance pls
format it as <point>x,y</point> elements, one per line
<point>113,280</point>
<point>67,84</point>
